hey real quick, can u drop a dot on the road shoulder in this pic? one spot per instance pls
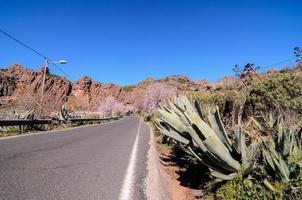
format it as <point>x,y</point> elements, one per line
<point>157,184</point>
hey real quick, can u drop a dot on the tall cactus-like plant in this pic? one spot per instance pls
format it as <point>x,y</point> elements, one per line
<point>206,138</point>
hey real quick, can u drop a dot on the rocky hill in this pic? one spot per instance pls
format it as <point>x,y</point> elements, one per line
<point>20,89</point>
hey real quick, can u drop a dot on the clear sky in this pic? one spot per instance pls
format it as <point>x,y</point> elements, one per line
<point>126,41</point>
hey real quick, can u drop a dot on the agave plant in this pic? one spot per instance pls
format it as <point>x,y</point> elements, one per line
<point>283,156</point>
<point>63,114</point>
<point>29,114</point>
<point>208,142</point>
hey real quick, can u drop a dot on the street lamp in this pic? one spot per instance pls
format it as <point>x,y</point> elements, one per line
<point>60,62</point>
<point>44,76</point>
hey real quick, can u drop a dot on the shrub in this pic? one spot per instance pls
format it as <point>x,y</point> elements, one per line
<point>218,98</point>
<point>9,131</point>
<point>281,92</point>
<point>128,88</point>
<point>242,189</point>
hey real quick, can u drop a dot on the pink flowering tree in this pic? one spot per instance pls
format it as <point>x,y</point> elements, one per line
<point>120,109</point>
<point>111,107</point>
<point>107,106</point>
<point>156,95</point>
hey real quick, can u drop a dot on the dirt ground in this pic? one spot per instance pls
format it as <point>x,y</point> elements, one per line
<point>177,191</point>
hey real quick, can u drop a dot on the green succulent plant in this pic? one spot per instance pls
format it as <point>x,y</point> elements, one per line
<point>29,114</point>
<point>63,114</point>
<point>283,156</point>
<point>205,138</point>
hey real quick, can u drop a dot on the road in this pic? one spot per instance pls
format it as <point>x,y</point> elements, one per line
<point>106,161</point>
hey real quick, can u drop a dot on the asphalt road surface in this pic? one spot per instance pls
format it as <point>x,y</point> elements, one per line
<point>105,161</point>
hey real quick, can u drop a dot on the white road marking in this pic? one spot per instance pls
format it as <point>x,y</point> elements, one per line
<point>127,188</point>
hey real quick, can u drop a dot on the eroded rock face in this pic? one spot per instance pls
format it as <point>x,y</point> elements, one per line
<point>21,88</point>
<point>7,85</point>
<point>87,94</point>
<point>83,85</point>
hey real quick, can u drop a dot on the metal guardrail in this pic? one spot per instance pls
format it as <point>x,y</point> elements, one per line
<point>20,122</point>
<point>92,119</point>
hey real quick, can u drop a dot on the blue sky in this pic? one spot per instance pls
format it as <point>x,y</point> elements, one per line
<point>126,41</point>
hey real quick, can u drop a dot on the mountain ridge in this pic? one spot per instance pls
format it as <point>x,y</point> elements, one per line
<point>20,89</point>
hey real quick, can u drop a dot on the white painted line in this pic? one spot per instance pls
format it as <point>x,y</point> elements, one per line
<point>127,188</point>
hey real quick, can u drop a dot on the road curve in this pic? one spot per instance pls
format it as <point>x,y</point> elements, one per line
<point>95,162</point>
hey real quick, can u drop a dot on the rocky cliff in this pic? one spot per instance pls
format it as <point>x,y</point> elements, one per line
<point>20,89</point>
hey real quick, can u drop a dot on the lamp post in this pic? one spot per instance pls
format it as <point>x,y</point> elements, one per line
<point>44,76</point>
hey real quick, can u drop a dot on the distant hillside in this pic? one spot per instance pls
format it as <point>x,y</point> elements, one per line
<point>20,89</point>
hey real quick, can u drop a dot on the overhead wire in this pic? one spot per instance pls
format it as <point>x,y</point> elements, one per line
<point>21,43</point>
<point>278,63</point>
<point>36,52</point>
<point>62,71</point>
<point>39,54</point>
<point>59,68</point>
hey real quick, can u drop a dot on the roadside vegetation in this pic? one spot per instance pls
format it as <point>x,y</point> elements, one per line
<point>242,138</point>
<point>61,120</point>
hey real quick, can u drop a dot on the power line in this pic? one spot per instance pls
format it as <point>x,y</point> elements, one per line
<point>23,44</point>
<point>267,67</point>
<point>59,68</point>
<point>36,52</point>
<point>278,63</point>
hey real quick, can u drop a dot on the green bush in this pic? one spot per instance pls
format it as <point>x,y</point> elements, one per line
<point>128,88</point>
<point>282,91</point>
<point>245,189</point>
<point>242,189</point>
<point>218,98</point>
<point>10,131</point>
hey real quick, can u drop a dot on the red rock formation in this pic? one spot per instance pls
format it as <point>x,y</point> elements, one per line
<point>23,89</point>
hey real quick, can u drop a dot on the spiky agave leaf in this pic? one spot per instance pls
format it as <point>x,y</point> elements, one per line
<point>182,106</point>
<point>208,143</point>
<point>64,113</point>
<point>242,146</point>
<point>191,131</point>
<point>212,162</point>
<point>217,126</point>
<point>282,168</point>
<point>199,110</point>
<point>204,135</point>
<point>171,133</point>
<point>29,114</point>
<point>268,159</point>
<point>222,175</point>
<point>251,153</point>
<point>173,120</point>
<point>283,155</point>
